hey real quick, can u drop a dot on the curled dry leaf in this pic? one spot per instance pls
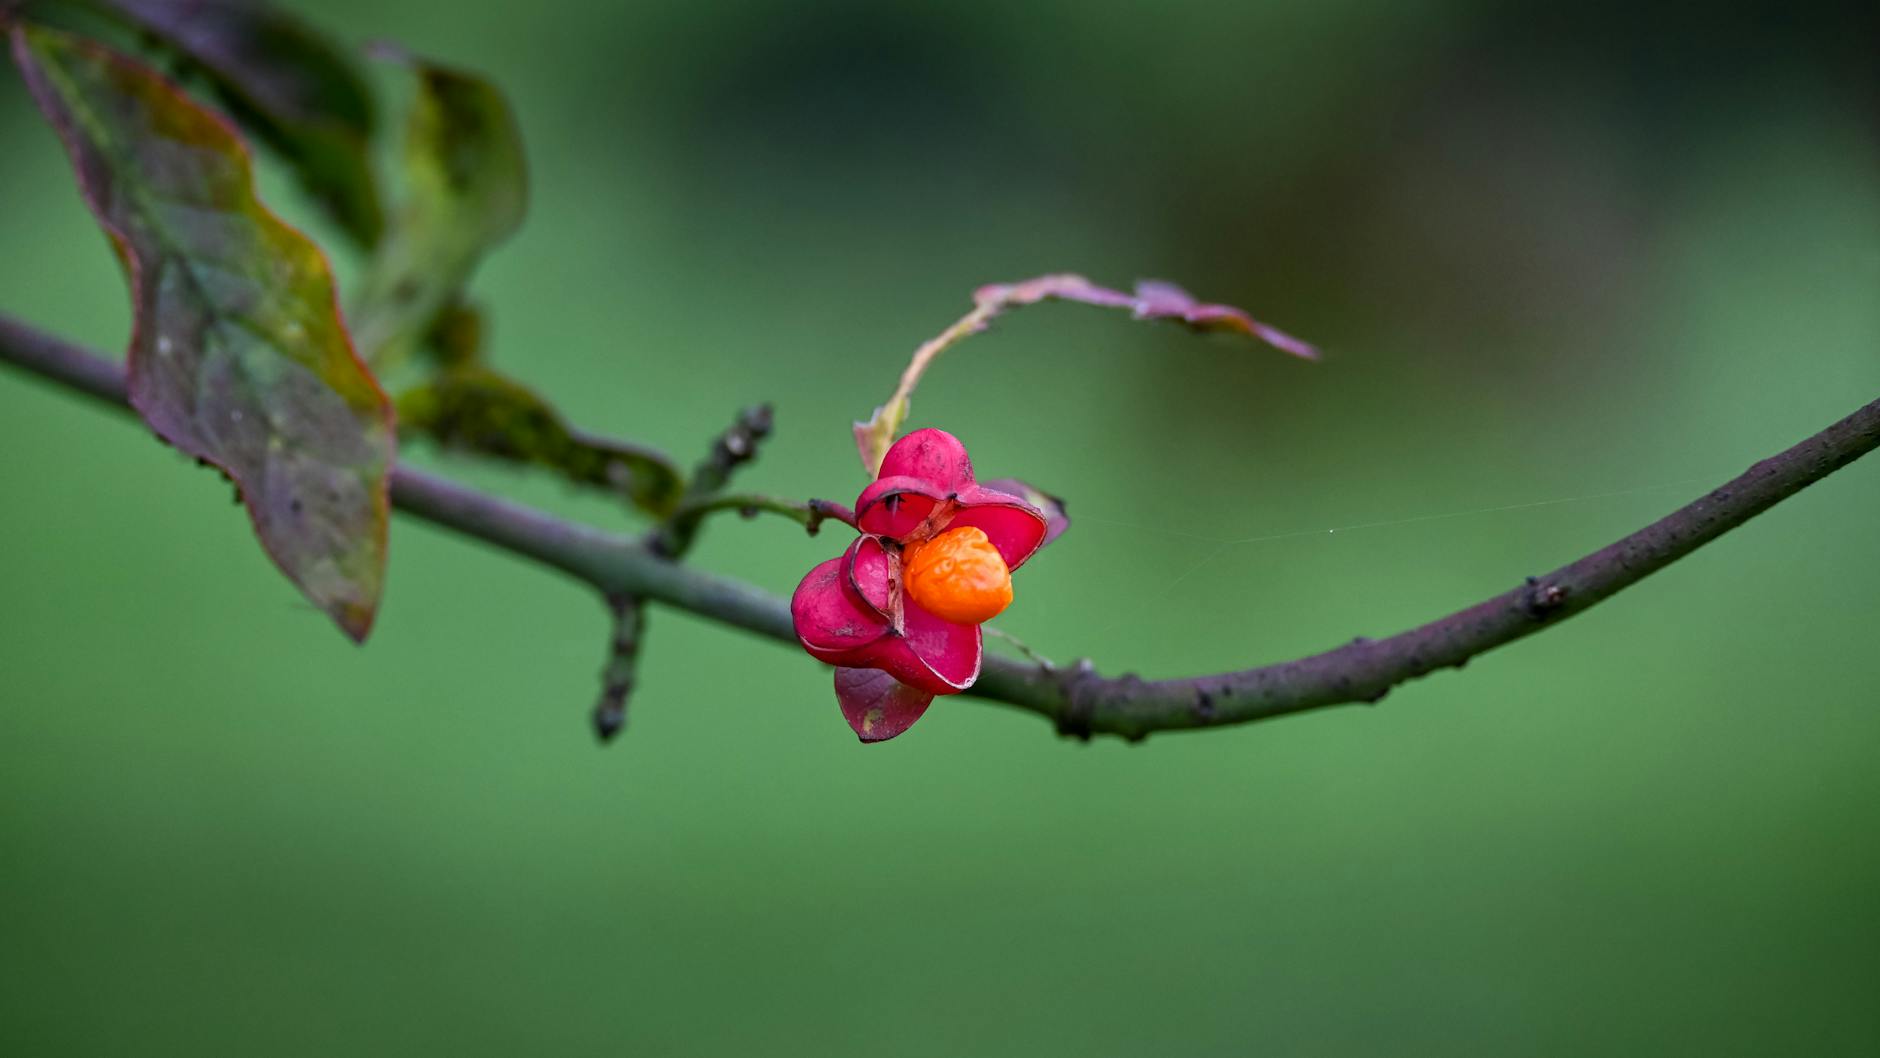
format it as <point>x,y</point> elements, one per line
<point>1153,300</point>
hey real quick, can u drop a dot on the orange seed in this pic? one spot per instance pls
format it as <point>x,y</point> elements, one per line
<point>958,576</point>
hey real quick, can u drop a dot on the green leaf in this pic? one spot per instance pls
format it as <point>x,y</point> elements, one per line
<point>237,356</point>
<point>466,189</point>
<point>290,84</point>
<point>472,408</point>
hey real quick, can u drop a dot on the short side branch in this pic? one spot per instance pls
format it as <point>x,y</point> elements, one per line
<point>628,615</point>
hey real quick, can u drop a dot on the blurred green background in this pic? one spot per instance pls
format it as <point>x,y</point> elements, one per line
<point>1554,252</point>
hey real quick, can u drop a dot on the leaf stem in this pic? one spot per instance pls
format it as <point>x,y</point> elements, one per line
<point>809,514</point>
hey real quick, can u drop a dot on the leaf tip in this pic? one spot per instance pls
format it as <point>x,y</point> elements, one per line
<point>1286,343</point>
<point>355,619</point>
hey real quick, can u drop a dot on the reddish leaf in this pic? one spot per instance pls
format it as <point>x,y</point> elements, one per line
<point>287,82</point>
<point>1156,300</point>
<point>877,705</point>
<point>238,356</point>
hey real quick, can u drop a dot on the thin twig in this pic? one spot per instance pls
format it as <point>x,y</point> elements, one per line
<point>730,450</point>
<point>1078,700</point>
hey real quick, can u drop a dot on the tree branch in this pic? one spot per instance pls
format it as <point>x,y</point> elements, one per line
<point>1081,702</point>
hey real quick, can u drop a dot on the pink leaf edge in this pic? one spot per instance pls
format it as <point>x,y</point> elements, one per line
<point>1154,299</point>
